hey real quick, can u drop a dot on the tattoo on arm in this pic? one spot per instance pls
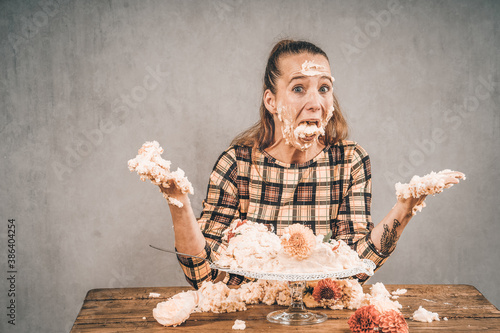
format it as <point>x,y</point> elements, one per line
<point>389,238</point>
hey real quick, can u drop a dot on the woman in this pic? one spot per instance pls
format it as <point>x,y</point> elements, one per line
<point>293,166</point>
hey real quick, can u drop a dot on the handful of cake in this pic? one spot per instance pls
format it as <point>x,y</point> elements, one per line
<point>252,247</point>
<point>430,184</point>
<point>150,165</point>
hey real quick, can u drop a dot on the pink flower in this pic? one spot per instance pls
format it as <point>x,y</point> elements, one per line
<point>298,241</point>
<point>326,289</point>
<point>392,321</point>
<point>231,234</point>
<point>364,320</point>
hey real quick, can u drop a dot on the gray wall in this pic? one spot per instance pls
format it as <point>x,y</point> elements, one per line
<point>418,84</point>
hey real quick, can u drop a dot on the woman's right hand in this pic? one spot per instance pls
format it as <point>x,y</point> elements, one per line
<point>174,192</point>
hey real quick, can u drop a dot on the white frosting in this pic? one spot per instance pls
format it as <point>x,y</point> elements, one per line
<point>154,295</point>
<point>379,290</point>
<point>383,303</point>
<point>149,165</point>
<point>252,293</point>
<point>253,246</point>
<point>218,298</point>
<point>310,68</point>
<point>399,292</point>
<point>256,249</point>
<point>265,291</point>
<point>329,114</point>
<point>239,325</point>
<point>430,184</point>
<point>306,130</point>
<point>292,134</point>
<point>176,310</point>
<point>425,316</point>
<point>380,298</point>
<point>286,116</point>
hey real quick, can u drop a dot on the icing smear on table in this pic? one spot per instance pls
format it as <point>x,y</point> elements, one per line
<point>239,325</point>
<point>425,316</point>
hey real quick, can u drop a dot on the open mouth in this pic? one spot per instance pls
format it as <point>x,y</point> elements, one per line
<point>308,130</point>
<point>309,123</point>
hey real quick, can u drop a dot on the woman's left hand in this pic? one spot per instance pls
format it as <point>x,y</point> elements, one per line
<point>424,188</point>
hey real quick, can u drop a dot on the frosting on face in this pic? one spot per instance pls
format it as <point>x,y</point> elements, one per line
<point>299,131</point>
<point>286,117</point>
<point>305,130</point>
<point>310,68</point>
<point>295,135</point>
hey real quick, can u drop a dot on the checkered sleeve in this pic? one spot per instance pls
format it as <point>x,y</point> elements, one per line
<point>220,208</point>
<point>354,223</point>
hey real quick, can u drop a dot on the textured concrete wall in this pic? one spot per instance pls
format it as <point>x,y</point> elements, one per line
<point>85,83</point>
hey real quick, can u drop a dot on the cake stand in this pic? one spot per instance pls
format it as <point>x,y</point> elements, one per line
<point>297,314</point>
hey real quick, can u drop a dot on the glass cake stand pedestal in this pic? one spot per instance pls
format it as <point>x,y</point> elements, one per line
<point>297,314</point>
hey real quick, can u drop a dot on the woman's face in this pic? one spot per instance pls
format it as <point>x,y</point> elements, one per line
<point>303,103</point>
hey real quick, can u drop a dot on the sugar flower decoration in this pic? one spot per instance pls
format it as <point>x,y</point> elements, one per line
<point>364,320</point>
<point>231,232</point>
<point>327,289</point>
<point>392,321</point>
<point>298,241</point>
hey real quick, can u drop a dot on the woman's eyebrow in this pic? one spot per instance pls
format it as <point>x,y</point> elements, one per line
<point>298,77</point>
<point>328,78</point>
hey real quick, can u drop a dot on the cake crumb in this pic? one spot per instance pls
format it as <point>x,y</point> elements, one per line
<point>154,295</point>
<point>425,316</point>
<point>445,318</point>
<point>239,325</point>
<point>399,292</point>
<point>429,300</point>
<point>143,318</point>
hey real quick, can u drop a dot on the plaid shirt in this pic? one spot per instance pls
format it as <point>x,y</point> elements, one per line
<point>330,192</point>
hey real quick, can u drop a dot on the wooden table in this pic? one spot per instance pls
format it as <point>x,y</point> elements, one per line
<point>123,310</point>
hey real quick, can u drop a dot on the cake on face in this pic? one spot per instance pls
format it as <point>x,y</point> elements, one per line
<point>252,247</point>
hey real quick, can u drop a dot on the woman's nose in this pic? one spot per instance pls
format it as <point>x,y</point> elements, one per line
<point>313,101</point>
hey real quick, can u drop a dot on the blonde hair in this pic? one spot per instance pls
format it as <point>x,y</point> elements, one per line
<point>261,134</point>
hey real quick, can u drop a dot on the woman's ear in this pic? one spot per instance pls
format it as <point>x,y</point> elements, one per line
<point>269,101</point>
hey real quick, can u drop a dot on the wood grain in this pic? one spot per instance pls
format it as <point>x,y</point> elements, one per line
<point>122,310</point>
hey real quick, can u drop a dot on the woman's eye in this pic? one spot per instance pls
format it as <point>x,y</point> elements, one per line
<point>324,89</point>
<point>298,89</point>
